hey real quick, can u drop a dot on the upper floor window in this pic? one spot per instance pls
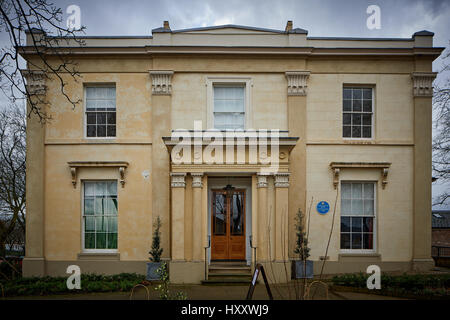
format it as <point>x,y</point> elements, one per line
<point>229,107</point>
<point>100,111</point>
<point>358,112</point>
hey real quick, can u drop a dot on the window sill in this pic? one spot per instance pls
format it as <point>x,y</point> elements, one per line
<point>358,256</point>
<point>98,256</point>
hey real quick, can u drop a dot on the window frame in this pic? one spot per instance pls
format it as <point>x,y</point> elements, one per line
<point>375,219</point>
<point>83,248</point>
<point>359,86</point>
<point>246,82</point>
<point>98,85</point>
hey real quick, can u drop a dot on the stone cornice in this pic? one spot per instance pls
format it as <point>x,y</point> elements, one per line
<point>161,82</point>
<point>262,180</point>
<point>74,165</point>
<point>336,168</point>
<point>297,82</point>
<point>423,83</point>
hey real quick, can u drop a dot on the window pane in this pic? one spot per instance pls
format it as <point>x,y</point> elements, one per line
<point>347,132</point>
<point>357,93</point>
<point>356,241</point>
<point>111,188</point>
<point>367,93</point>
<point>346,207</point>
<point>88,206</point>
<point>367,132</point>
<point>368,241</point>
<point>111,118</point>
<point>356,119</point>
<point>368,190</point>
<point>111,206</point>
<point>356,190</point>
<point>356,224</point>
<point>347,93</point>
<point>89,189</point>
<point>345,224</point>
<point>112,224</point>
<point>89,225</point>
<point>100,224</point>
<point>367,119</point>
<point>347,118</point>
<point>101,131</point>
<point>357,207</point>
<point>368,224</point>
<point>111,131</point>
<point>357,105</point>
<point>367,105</point>
<point>91,131</point>
<point>345,240</point>
<point>356,132</point>
<point>101,117</point>
<point>112,240</point>
<point>99,206</point>
<point>346,191</point>
<point>368,207</point>
<point>101,240</point>
<point>347,105</point>
<point>89,240</point>
<point>91,118</point>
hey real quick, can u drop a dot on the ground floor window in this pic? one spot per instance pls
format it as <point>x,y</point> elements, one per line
<point>100,215</point>
<point>357,215</point>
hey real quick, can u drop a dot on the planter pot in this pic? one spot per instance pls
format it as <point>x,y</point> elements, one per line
<point>151,270</point>
<point>299,267</point>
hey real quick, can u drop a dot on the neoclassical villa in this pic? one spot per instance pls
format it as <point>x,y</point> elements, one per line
<point>225,133</point>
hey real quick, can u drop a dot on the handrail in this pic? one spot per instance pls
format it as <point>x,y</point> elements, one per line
<point>206,257</point>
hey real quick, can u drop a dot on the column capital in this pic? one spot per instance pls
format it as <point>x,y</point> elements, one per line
<point>197,179</point>
<point>297,82</point>
<point>423,83</point>
<point>161,82</point>
<point>178,179</point>
<point>262,180</point>
<point>282,180</point>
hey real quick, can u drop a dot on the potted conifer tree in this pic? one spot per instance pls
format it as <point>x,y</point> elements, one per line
<point>155,253</point>
<point>302,268</point>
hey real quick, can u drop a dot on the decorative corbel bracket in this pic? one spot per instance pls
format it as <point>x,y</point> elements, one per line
<point>337,166</point>
<point>74,165</point>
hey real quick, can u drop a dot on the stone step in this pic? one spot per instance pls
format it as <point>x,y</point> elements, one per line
<point>227,282</point>
<point>226,276</point>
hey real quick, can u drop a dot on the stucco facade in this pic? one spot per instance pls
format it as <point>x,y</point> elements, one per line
<point>293,83</point>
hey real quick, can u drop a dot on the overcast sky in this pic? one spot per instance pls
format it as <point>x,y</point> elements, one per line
<point>399,18</point>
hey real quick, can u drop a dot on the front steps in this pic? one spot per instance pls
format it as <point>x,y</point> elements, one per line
<point>228,273</point>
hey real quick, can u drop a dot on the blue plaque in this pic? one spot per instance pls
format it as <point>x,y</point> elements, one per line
<point>323,207</point>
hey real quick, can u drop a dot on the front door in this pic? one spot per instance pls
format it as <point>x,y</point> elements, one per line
<point>228,225</point>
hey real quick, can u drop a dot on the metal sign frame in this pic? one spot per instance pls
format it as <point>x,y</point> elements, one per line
<point>258,269</point>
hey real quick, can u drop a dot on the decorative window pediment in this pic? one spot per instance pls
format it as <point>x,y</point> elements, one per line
<point>337,166</point>
<point>74,165</point>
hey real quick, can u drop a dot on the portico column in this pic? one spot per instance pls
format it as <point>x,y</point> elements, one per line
<point>178,185</point>
<point>423,92</point>
<point>297,84</point>
<point>281,215</point>
<point>161,105</point>
<point>263,232</point>
<point>197,236</point>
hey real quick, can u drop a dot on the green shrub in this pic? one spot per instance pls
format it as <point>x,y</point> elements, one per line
<point>57,285</point>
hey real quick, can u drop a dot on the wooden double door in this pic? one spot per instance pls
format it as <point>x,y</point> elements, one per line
<point>228,225</point>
